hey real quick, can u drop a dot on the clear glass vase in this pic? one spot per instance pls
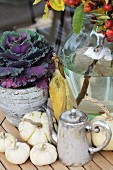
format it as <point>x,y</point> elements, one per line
<point>87,76</point>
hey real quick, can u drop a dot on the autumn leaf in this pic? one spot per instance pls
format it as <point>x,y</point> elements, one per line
<point>46,10</point>
<point>57,5</point>
<point>36,2</point>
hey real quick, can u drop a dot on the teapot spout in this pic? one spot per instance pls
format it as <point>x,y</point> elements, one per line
<point>53,133</point>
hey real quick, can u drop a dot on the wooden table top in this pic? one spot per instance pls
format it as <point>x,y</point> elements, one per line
<point>101,161</point>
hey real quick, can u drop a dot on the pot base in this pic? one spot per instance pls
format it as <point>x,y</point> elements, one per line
<point>76,164</point>
<point>15,120</point>
<point>16,103</point>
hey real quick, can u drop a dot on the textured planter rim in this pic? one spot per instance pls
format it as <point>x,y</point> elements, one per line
<point>19,89</point>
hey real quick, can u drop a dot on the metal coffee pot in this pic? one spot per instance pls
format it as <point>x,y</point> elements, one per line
<point>74,137</point>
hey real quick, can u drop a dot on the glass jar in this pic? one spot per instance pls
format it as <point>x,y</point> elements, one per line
<point>87,76</point>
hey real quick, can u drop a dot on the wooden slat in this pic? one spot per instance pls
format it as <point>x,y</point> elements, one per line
<point>2,117</point>
<point>108,155</point>
<point>77,168</point>
<point>47,167</point>
<point>8,165</point>
<point>11,129</point>
<point>91,166</point>
<point>58,166</point>
<point>28,166</point>
<point>102,162</point>
<point>2,167</point>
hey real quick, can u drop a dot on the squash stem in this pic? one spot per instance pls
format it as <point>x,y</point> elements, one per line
<point>15,146</point>
<point>43,147</point>
<point>38,124</point>
<point>3,135</point>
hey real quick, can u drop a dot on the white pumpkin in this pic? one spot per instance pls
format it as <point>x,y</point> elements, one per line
<point>43,154</point>
<point>34,128</point>
<point>6,139</point>
<point>99,138</point>
<point>17,153</point>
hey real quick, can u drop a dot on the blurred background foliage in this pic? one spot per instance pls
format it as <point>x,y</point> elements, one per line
<point>22,14</point>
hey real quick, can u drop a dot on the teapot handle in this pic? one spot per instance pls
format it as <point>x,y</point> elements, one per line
<point>95,128</point>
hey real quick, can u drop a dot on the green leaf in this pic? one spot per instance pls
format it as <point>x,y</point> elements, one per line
<point>36,2</point>
<point>95,12</point>
<point>106,1</point>
<point>46,10</point>
<point>104,17</point>
<point>78,19</point>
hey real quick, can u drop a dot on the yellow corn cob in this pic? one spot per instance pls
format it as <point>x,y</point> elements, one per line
<point>57,93</point>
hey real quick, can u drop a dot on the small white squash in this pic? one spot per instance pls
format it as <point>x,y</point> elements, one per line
<point>6,139</point>
<point>34,128</point>
<point>17,153</point>
<point>43,154</point>
<point>99,138</point>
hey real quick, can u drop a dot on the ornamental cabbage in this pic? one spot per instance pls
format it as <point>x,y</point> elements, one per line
<point>25,60</point>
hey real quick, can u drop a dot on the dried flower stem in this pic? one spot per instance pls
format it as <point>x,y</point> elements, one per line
<point>90,68</point>
<point>87,77</point>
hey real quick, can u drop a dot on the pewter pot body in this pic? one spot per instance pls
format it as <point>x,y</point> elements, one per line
<point>74,137</point>
<point>73,144</point>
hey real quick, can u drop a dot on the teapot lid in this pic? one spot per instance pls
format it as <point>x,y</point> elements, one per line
<point>73,116</point>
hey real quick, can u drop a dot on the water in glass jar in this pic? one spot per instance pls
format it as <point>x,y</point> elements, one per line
<point>100,84</point>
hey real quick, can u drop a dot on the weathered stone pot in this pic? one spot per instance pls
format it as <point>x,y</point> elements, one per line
<point>15,103</point>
